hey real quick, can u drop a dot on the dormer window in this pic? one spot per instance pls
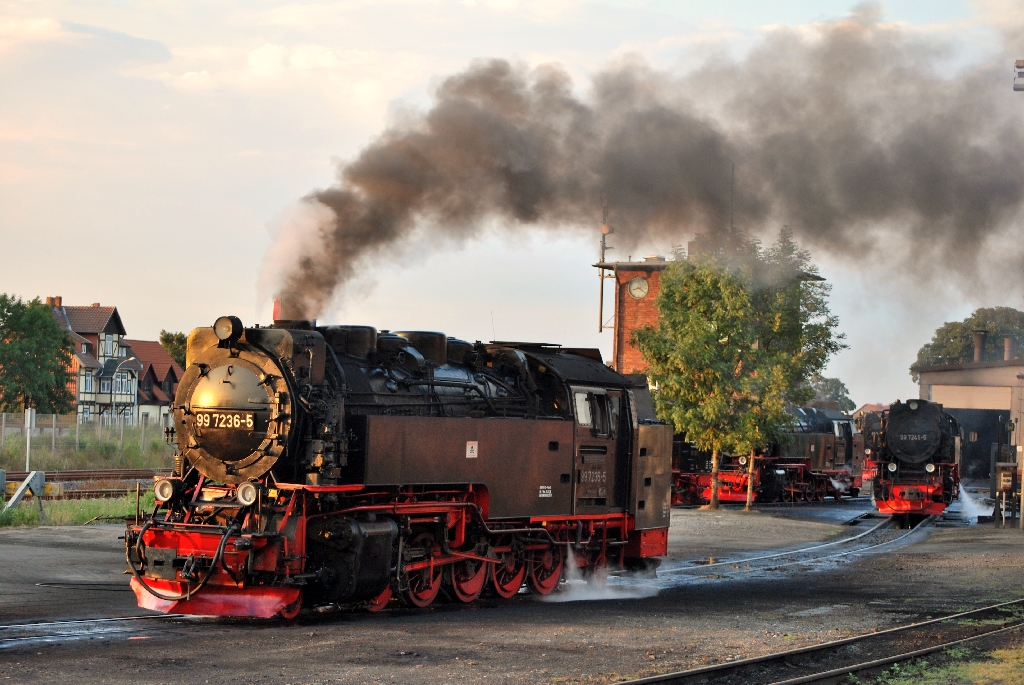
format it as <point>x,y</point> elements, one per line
<point>85,348</point>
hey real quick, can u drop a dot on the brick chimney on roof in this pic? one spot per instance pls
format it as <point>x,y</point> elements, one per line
<point>95,304</point>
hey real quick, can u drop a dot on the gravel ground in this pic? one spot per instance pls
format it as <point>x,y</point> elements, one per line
<point>522,641</point>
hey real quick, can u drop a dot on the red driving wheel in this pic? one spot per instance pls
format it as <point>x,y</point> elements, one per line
<point>468,579</point>
<point>381,601</point>
<point>546,569</point>
<point>424,583</point>
<point>509,572</point>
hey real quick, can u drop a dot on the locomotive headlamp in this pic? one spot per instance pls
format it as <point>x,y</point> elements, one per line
<point>930,468</point>
<point>228,328</point>
<point>892,467</point>
<point>165,489</point>
<point>247,493</point>
<point>743,461</point>
<point>913,406</point>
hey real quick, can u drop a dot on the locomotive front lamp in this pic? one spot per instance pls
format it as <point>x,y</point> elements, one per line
<point>228,328</point>
<point>247,494</point>
<point>165,489</point>
<point>892,467</point>
<point>743,461</point>
<point>930,468</point>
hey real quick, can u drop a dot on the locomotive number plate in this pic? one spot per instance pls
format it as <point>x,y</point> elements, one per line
<point>244,420</point>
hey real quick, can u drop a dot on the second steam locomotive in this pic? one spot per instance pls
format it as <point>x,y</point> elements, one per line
<point>913,453</point>
<point>339,465</point>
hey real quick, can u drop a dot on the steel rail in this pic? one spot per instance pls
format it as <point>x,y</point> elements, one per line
<point>724,669</point>
<point>701,567</point>
<point>55,626</point>
<point>878,663</point>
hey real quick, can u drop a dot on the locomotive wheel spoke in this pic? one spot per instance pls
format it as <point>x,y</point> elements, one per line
<point>381,601</point>
<point>546,569</point>
<point>424,583</point>
<point>510,571</point>
<point>468,579</point>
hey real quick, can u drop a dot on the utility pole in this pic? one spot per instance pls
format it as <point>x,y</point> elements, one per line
<point>606,230</point>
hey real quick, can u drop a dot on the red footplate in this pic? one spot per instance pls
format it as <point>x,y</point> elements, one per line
<point>217,600</point>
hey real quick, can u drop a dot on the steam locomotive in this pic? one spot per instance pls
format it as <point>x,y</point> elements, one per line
<point>337,465</point>
<point>822,457</point>
<point>913,456</point>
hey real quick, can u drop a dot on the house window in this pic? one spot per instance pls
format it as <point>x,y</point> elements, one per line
<point>123,384</point>
<point>85,348</point>
<point>87,382</point>
<point>85,413</point>
<point>108,345</point>
<point>105,385</point>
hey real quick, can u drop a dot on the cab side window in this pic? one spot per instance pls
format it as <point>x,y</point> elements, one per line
<point>597,411</point>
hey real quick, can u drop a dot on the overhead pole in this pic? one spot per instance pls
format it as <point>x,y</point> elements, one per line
<point>606,230</point>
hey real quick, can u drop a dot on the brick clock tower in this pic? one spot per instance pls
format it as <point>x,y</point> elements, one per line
<point>637,285</point>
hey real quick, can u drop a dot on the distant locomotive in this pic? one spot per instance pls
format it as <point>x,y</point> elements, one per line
<point>913,456</point>
<point>822,457</point>
<point>339,465</point>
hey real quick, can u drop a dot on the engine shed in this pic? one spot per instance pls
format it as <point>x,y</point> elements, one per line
<point>987,397</point>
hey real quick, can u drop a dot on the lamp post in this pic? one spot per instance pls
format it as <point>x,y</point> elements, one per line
<point>113,398</point>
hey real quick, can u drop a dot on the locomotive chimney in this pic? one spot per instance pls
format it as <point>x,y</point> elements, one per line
<point>1007,348</point>
<point>979,345</point>
<point>283,320</point>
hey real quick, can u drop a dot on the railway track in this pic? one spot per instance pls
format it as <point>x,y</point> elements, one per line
<point>880,535</point>
<point>48,632</point>
<point>93,483</point>
<point>870,653</point>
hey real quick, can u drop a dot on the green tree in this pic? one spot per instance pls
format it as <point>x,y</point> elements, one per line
<point>741,330</point>
<point>953,342</point>
<point>832,390</point>
<point>35,358</point>
<point>175,344</point>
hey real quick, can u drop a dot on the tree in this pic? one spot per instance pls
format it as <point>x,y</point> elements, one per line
<point>35,358</point>
<point>741,330</point>
<point>175,344</point>
<point>832,390</point>
<point>953,342</point>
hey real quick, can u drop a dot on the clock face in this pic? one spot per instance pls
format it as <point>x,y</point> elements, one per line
<point>638,287</point>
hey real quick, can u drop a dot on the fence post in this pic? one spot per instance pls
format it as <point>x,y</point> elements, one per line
<point>53,435</point>
<point>78,422</point>
<point>142,440</point>
<point>120,441</point>
<point>30,416</point>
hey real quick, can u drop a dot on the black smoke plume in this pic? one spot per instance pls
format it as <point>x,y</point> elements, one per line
<point>852,132</point>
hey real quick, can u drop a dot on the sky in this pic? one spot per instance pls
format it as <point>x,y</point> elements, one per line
<point>152,152</point>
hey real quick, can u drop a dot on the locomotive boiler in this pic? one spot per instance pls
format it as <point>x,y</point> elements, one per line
<point>323,466</point>
<point>913,454</point>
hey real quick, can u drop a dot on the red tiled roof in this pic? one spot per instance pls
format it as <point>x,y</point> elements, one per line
<point>91,319</point>
<point>152,354</point>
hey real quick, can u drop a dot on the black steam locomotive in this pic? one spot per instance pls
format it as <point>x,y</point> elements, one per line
<point>339,465</point>
<point>913,455</point>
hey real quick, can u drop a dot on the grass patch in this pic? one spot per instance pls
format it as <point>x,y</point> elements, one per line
<point>95,448</point>
<point>73,512</point>
<point>957,666</point>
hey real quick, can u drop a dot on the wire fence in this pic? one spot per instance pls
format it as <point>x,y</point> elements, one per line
<point>66,441</point>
